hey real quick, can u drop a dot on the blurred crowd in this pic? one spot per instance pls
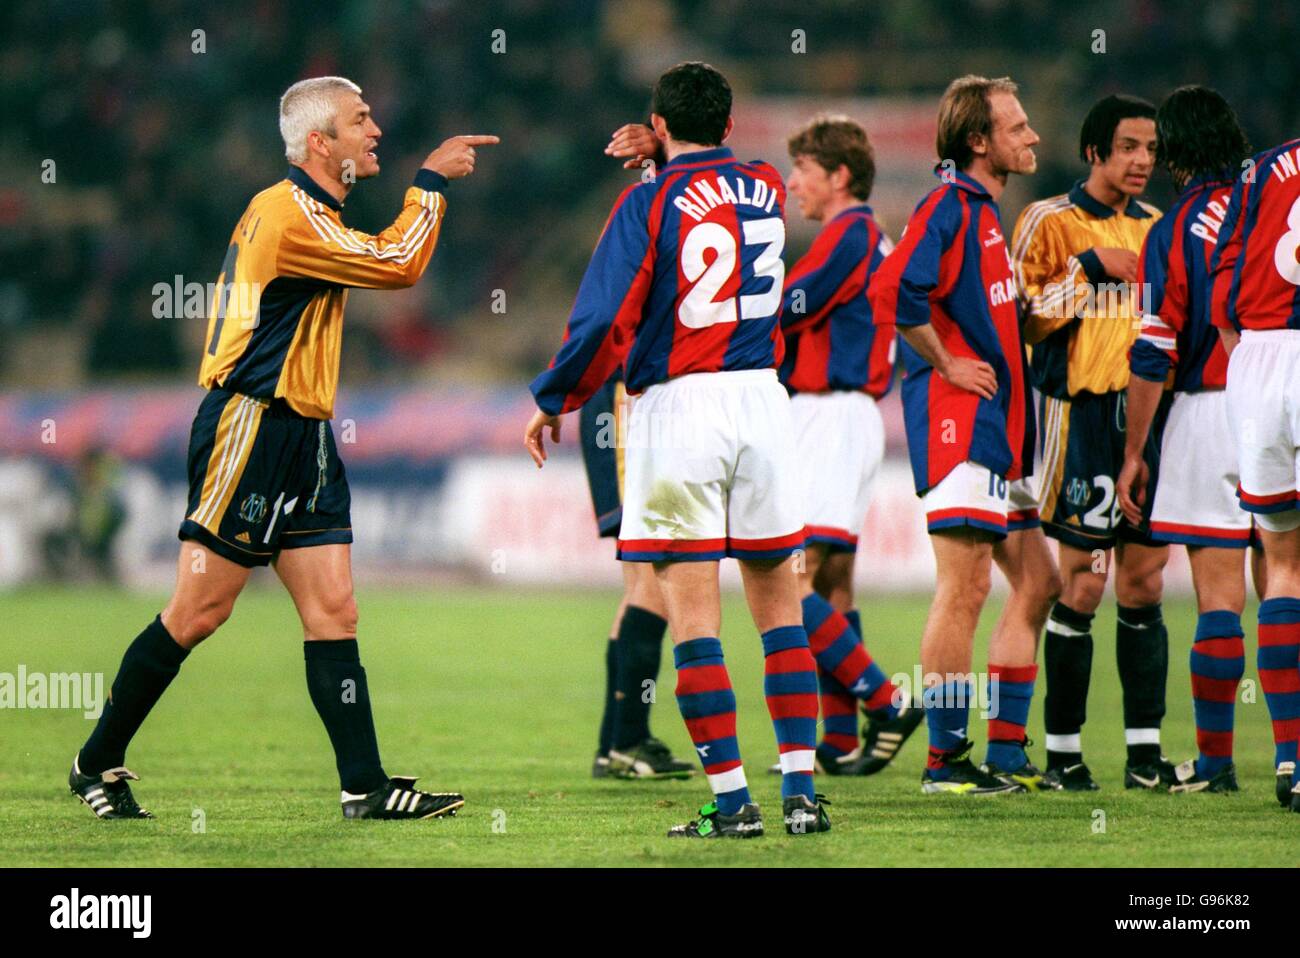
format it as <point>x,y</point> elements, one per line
<point>137,131</point>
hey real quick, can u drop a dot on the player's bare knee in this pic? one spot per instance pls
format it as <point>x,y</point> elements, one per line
<point>189,623</point>
<point>1048,587</point>
<point>1139,587</point>
<point>1082,590</point>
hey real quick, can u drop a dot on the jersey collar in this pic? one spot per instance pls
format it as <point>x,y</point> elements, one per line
<point>1221,178</point>
<point>699,158</point>
<point>299,178</point>
<point>961,180</point>
<point>1084,200</point>
<point>849,210</point>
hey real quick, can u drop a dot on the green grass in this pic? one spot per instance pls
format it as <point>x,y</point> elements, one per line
<point>497,694</point>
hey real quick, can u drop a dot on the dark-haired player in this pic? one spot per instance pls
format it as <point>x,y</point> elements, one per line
<point>1075,256</point>
<point>1195,504</point>
<point>266,481</point>
<point>1255,304</point>
<point>684,291</point>
<point>836,367</point>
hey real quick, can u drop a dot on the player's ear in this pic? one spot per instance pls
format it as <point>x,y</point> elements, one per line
<point>660,126</point>
<point>316,144</point>
<point>726,132</point>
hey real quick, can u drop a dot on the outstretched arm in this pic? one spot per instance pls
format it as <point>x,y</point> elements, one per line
<point>318,247</point>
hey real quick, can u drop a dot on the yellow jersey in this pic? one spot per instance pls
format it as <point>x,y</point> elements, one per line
<point>275,322</point>
<point>1079,322</point>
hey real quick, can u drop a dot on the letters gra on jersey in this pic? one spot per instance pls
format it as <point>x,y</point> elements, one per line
<point>1003,291</point>
<point>701,196</point>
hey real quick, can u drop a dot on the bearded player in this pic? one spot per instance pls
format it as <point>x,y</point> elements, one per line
<point>266,481</point>
<point>948,288</point>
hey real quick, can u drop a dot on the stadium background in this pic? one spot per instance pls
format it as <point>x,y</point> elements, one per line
<point>159,135</point>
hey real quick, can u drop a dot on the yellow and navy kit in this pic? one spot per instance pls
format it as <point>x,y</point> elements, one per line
<point>264,470</point>
<point>1079,322</point>
<point>276,322</point>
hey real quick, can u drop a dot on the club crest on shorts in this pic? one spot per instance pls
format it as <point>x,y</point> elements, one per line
<point>253,509</point>
<point>1078,492</point>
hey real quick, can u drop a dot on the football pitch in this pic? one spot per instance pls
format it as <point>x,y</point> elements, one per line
<point>497,694</point>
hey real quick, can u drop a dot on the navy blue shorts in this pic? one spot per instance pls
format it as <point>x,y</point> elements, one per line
<point>263,478</point>
<point>1082,439</point>
<point>600,426</point>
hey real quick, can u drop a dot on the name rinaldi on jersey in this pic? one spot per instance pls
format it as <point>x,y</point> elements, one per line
<point>1256,276</point>
<point>684,289</point>
<point>951,269</point>
<point>1195,499</point>
<point>264,470</point>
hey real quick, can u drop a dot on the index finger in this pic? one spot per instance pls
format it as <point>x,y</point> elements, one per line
<point>480,139</point>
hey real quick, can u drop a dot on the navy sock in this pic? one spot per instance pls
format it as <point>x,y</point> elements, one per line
<point>337,684</point>
<point>1067,655</point>
<point>148,667</point>
<point>611,701</point>
<point>1142,653</point>
<point>640,641</point>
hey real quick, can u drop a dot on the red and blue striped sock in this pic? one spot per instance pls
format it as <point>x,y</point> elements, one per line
<point>839,709</point>
<point>839,650</point>
<point>946,710</point>
<point>839,706</point>
<point>708,705</point>
<point>1279,672</point>
<point>1218,663</point>
<point>790,686</point>
<point>1011,690</point>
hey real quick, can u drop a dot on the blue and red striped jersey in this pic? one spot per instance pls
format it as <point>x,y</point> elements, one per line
<point>830,341</point>
<point>686,278</point>
<point>1255,267</point>
<point>1174,275</point>
<point>951,269</point>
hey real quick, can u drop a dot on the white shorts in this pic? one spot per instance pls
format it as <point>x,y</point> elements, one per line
<point>1264,412</point>
<point>839,444</point>
<point>1196,490</point>
<point>973,495</point>
<point>710,471</point>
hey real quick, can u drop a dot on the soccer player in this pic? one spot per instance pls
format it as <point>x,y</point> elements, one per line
<point>836,368</point>
<point>632,655</point>
<point>1255,271</point>
<point>266,481</point>
<point>837,365</point>
<point>949,289</point>
<point>1075,256</point>
<point>684,290</point>
<point>1195,504</point>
